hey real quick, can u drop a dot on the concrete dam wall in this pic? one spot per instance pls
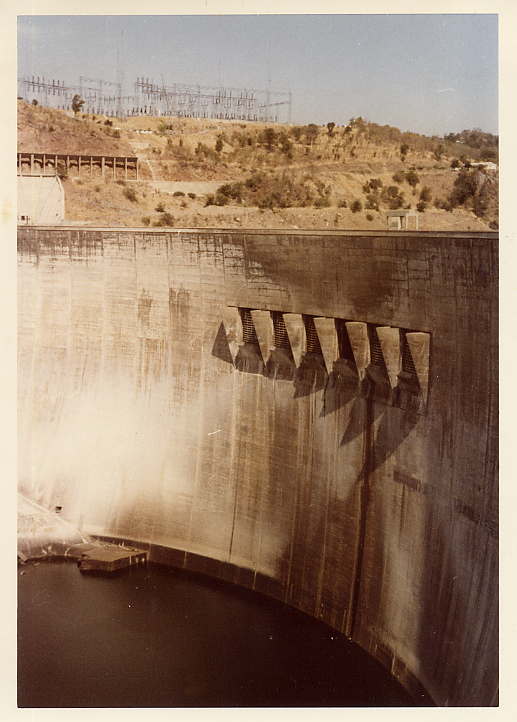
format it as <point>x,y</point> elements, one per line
<point>312,415</point>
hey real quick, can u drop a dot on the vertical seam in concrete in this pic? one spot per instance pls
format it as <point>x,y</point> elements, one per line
<point>200,395</point>
<point>363,509</point>
<point>232,463</point>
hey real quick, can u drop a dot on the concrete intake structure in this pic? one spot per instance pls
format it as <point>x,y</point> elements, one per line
<point>312,415</point>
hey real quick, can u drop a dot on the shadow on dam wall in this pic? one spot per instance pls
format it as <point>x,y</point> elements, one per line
<point>308,414</point>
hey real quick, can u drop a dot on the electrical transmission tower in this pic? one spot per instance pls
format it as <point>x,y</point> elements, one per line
<point>104,97</point>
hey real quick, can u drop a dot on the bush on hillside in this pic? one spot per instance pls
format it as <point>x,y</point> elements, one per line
<point>130,194</point>
<point>392,197</point>
<point>425,194</point>
<point>372,202</point>
<point>164,220</point>
<point>412,178</point>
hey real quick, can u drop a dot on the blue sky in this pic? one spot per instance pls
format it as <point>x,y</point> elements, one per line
<point>427,73</point>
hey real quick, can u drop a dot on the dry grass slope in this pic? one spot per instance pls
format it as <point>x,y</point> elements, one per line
<point>274,176</point>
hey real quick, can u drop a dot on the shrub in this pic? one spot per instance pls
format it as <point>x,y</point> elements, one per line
<point>412,178</point>
<point>464,188</point>
<point>268,137</point>
<point>438,152</point>
<point>108,122</point>
<point>160,208</point>
<point>455,163</point>
<point>130,194</point>
<point>369,217</point>
<point>425,194</point>
<point>287,147</point>
<point>97,189</point>
<point>145,220</point>
<point>398,177</point>
<point>218,145</point>
<point>120,182</point>
<point>356,206</point>
<point>342,203</point>
<point>210,200</point>
<point>165,220</point>
<point>421,206</point>
<point>178,194</point>
<point>322,202</point>
<point>494,225</point>
<point>481,201</point>
<point>392,197</point>
<point>372,202</point>
<point>373,185</point>
<point>192,195</point>
<point>311,133</point>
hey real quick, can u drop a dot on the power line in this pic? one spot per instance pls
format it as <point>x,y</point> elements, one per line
<point>149,98</point>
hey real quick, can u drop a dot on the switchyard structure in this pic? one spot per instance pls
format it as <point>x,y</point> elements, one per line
<point>104,97</point>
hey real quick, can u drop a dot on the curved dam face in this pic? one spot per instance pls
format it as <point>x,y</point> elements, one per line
<point>308,414</point>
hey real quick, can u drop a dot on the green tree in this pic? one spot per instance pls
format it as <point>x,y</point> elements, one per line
<point>219,144</point>
<point>404,150</point>
<point>330,128</point>
<point>356,206</point>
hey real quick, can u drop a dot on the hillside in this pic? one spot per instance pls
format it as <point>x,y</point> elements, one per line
<point>196,172</point>
<point>54,131</point>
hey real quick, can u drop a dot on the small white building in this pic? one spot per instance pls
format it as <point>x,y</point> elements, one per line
<point>41,200</point>
<point>402,220</point>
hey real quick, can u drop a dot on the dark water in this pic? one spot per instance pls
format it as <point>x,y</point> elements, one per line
<point>156,637</point>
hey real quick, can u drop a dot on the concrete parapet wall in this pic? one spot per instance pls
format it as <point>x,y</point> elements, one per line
<point>314,410</point>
